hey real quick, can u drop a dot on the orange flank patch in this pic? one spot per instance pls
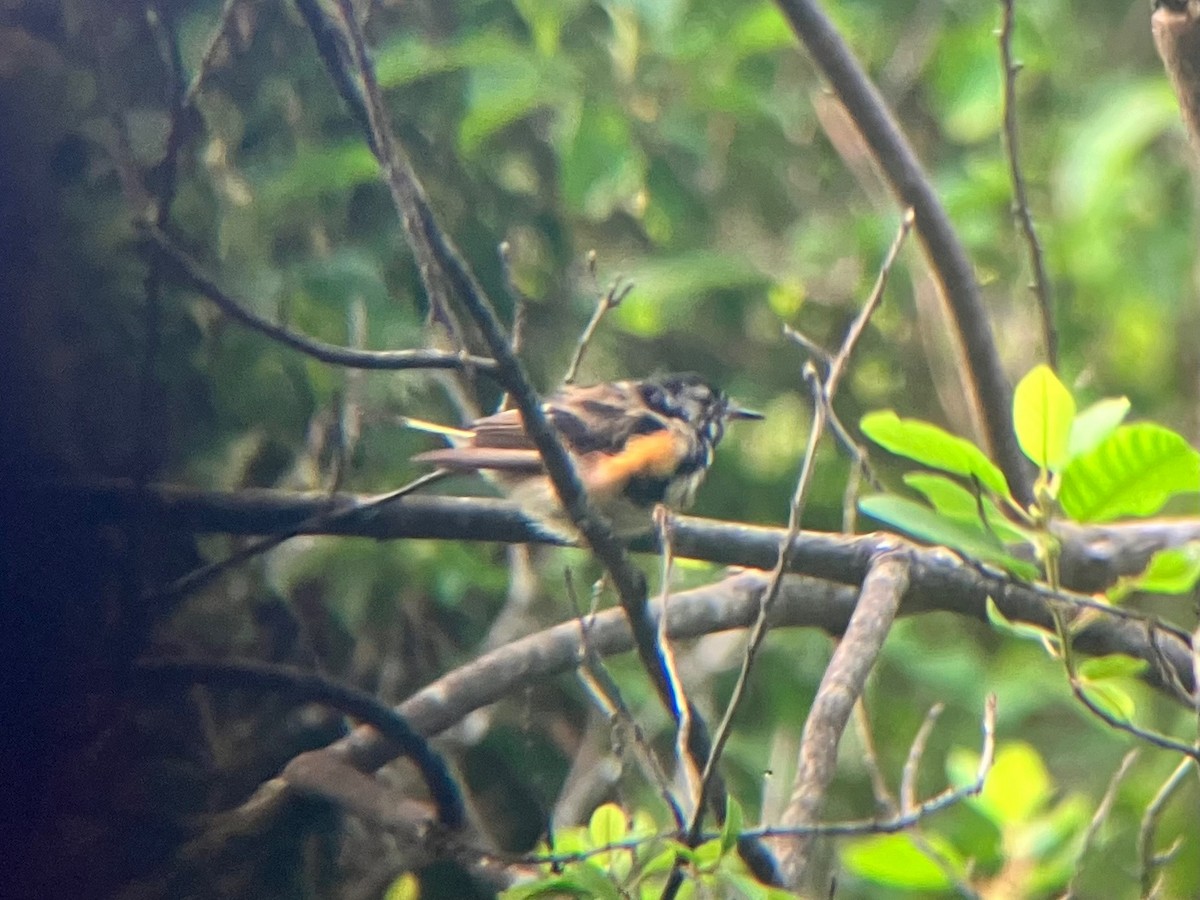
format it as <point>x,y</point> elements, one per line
<point>655,455</point>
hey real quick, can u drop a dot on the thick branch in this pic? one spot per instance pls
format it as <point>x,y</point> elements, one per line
<point>840,688</point>
<point>947,257</point>
<point>940,580</point>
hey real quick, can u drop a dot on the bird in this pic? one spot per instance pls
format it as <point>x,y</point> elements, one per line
<point>634,443</point>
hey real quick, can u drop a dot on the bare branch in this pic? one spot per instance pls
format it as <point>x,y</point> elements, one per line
<point>386,360</point>
<point>1041,281</point>
<point>440,262</point>
<point>945,253</point>
<point>211,50</point>
<point>912,764</point>
<point>610,300</point>
<point>891,825</point>
<point>941,580</point>
<point>823,393</point>
<point>1149,859</point>
<point>327,518</point>
<point>840,687</point>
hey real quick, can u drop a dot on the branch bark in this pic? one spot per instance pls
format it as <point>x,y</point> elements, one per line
<point>946,255</point>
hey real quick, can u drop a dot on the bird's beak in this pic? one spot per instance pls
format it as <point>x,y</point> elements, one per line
<point>737,412</point>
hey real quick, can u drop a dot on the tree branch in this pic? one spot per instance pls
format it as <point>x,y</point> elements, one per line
<point>947,257</point>
<point>385,360</point>
<point>840,688</point>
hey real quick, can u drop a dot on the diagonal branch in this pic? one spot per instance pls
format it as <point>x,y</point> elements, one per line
<point>946,255</point>
<point>384,360</point>
<point>441,263</point>
<point>840,689</point>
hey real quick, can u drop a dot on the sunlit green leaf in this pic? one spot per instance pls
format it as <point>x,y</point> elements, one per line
<point>406,887</point>
<point>1017,786</point>
<point>1022,630</point>
<point>1043,410</point>
<point>1095,423</point>
<point>734,822</point>
<point>582,880</point>
<point>1175,570</point>
<point>1115,665</point>
<point>894,860</point>
<point>968,538</point>
<point>1132,472</point>
<point>1111,698</point>
<point>934,447</point>
<point>608,825</point>
<point>954,501</point>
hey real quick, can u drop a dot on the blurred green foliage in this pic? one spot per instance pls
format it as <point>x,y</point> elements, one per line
<point>691,145</point>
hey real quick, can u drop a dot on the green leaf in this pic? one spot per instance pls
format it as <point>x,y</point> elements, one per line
<point>607,825</point>
<point>933,447</point>
<point>1043,410</point>
<point>1111,699</point>
<point>582,880</point>
<point>1096,423</point>
<point>894,860</point>
<point>505,90</point>
<point>922,522</point>
<point>732,829</point>
<point>1017,787</point>
<point>1132,472</point>
<point>956,502</point>
<point>1172,571</point>
<point>1022,630</point>
<point>1115,665</point>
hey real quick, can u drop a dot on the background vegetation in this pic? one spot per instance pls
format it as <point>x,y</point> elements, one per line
<point>692,147</point>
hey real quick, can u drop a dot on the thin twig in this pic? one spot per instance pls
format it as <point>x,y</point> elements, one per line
<point>947,257</point>
<point>329,517</point>
<point>1041,281</point>
<point>908,801</point>
<point>387,360</point>
<point>1157,739</point>
<point>891,825</point>
<point>520,301</point>
<point>941,581</point>
<point>1103,808</point>
<point>209,57</point>
<point>837,367</point>
<point>823,393</point>
<point>885,803</point>
<point>609,300</point>
<point>1149,860</point>
<point>758,633</point>
<point>607,694</point>
<point>441,263</point>
<point>686,765</point>
<point>1078,688</point>
<point>912,763</point>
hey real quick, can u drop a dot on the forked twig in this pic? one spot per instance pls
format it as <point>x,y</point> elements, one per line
<point>609,300</point>
<point>823,393</point>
